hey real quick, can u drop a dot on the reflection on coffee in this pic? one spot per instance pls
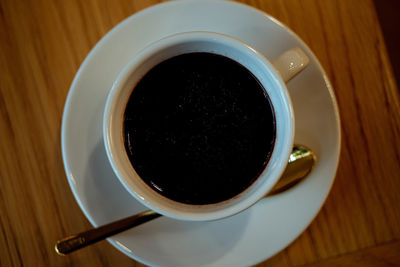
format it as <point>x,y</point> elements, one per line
<point>199,128</point>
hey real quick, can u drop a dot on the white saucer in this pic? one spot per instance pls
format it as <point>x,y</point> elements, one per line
<point>244,239</point>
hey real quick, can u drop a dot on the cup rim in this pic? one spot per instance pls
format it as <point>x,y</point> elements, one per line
<point>193,212</point>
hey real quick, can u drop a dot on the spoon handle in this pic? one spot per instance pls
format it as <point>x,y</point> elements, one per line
<point>300,164</point>
<point>75,242</point>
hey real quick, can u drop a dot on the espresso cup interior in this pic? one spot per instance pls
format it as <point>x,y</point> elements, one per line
<point>182,44</point>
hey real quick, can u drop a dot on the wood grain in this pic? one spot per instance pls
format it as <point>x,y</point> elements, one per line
<point>42,45</point>
<point>381,255</point>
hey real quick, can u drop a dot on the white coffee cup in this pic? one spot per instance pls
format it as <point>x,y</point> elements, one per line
<point>271,75</point>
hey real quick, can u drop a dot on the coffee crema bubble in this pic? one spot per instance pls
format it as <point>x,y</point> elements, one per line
<point>199,128</point>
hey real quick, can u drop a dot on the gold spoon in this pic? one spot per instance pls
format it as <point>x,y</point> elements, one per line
<point>301,162</point>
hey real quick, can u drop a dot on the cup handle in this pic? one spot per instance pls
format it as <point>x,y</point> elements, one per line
<point>290,63</point>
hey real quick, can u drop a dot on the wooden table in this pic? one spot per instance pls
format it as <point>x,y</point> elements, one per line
<point>42,45</point>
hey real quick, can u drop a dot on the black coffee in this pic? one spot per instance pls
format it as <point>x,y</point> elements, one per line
<point>199,128</point>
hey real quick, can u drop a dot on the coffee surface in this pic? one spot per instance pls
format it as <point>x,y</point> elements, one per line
<point>199,128</point>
